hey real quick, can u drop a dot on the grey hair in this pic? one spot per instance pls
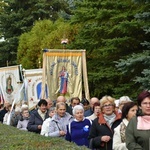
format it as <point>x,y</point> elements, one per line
<point>51,109</point>
<point>60,104</point>
<point>77,107</point>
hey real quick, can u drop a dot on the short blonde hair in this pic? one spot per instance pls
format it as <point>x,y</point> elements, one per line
<point>106,99</point>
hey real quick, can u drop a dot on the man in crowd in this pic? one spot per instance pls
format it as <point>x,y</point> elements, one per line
<point>74,101</point>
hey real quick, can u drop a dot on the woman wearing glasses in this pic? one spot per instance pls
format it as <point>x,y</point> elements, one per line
<point>102,129</point>
<point>138,129</point>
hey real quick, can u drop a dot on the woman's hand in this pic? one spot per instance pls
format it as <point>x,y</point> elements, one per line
<point>39,126</point>
<point>62,133</point>
<point>105,138</point>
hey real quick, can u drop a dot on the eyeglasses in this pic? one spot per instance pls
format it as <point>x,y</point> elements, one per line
<point>109,105</point>
<point>145,103</point>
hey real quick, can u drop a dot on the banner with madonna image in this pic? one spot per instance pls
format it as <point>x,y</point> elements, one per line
<point>63,70</point>
<point>11,83</point>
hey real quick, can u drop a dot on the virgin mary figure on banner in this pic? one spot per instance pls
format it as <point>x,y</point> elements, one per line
<point>63,74</point>
<point>9,87</point>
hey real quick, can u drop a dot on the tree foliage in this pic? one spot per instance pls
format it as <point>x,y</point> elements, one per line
<point>18,17</point>
<point>109,33</point>
<point>44,34</point>
<point>139,64</point>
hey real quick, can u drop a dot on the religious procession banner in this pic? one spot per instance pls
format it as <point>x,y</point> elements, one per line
<point>33,86</point>
<point>63,71</point>
<point>11,83</point>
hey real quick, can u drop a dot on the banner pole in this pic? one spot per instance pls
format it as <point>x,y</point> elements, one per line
<point>44,75</point>
<point>85,77</point>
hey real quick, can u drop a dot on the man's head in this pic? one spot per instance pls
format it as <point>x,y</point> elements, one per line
<point>49,103</point>
<point>93,100</point>
<point>61,99</point>
<point>85,103</point>
<point>75,101</point>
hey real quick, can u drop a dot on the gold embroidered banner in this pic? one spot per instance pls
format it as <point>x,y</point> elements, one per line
<point>62,70</point>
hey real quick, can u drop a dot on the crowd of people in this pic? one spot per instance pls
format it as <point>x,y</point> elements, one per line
<point>99,124</point>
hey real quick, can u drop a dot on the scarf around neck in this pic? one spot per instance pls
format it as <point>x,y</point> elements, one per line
<point>110,119</point>
<point>143,123</point>
<point>123,126</point>
<point>42,114</point>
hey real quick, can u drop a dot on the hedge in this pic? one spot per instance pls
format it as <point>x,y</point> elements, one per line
<point>12,138</point>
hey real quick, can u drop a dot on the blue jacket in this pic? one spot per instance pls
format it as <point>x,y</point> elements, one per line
<point>34,121</point>
<point>78,131</point>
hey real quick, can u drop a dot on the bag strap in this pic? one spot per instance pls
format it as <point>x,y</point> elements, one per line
<point>57,125</point>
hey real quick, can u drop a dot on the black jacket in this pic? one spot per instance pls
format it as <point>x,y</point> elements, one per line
<point>2,114</point>
<point>34,121</point>
<point>100,128</point>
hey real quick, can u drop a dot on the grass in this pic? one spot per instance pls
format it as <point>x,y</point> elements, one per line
<point>13,139</point>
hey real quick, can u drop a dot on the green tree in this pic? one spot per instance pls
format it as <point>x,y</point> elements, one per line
<point>139,64</point>
<point>109,32</point>
<point>44,34</point>
<point>18,17</point>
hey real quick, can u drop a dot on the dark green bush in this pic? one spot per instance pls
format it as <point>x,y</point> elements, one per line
<point>13,139</point>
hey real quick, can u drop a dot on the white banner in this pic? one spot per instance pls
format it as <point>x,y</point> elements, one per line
<point>10,82</point>
<point>33,83</point>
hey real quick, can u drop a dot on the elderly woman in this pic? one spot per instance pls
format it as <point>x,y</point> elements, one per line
<point>96,110</point>
<point>102,129</point>
<point>129,110</point>
<point>59,122</point>
<point>78,130</point>
<point>22,123</point>
<point>138,129</point>
<point>122,101</point>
